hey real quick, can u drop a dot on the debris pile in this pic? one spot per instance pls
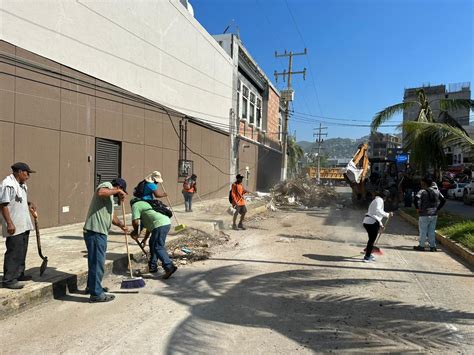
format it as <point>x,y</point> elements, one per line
<point>193,245</point>
<point>304,192</point>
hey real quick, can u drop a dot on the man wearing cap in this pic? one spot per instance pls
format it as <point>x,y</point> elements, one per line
<point>189,189</point>
<point>238,202</point>
<point>100,217</point>
<point>16,224</point>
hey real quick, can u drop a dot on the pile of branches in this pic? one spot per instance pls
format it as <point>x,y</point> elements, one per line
<point>301,191</point>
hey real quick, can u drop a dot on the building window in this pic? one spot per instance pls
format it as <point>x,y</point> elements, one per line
<point>245,101</point>
<point>259,113</point>
<point>252,108</point>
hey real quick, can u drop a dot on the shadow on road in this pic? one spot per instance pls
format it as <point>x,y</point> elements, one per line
<point>297,305</point>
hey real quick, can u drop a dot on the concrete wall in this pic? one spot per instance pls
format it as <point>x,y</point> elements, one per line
<point>152,48</point>
<point>248,157</point>
<point>52,121</point>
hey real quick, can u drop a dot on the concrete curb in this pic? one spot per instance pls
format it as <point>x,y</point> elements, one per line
<point>453,247</point>
<point>70,283</point>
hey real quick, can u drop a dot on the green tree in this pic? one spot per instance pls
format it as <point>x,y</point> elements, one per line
<point>428,136</point>
<point>295,153</point>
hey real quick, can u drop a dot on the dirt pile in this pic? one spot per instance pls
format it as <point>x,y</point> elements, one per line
<point>303,192</point>
<point>194,244</point>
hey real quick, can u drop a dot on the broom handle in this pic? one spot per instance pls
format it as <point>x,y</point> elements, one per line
<point>378,237</point>
<point>126,240</point>
<point>169,203</point>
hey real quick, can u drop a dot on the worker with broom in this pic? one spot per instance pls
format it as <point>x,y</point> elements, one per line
<point>99,219</point>
<point>16,224</point>
<point>238,202</point>
<point>189,189</point>
<point>159,225</point>
<point>373,221</point>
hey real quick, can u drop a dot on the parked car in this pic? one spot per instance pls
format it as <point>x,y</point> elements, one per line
<point>468,193</point>
<point>457,191</point>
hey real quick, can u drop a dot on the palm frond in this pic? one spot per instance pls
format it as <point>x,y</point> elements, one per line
<point>388,112</point>
<point>456,104</point>
<point>445,117</point>
<point>440,132</point>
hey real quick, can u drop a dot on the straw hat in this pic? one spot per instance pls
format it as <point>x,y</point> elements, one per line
<point>154,177</point>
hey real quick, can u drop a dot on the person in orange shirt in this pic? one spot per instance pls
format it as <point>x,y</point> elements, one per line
<point>238,202</point>
<point>189,189</point>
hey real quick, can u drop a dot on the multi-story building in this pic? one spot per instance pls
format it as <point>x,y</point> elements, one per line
<point>380,144</point>
<point>94,90</point>
<point>435,94</point>
<point>258,114</point>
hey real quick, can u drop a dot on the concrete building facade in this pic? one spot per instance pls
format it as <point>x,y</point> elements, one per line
<point>139,88</point>
<point>257,111</point>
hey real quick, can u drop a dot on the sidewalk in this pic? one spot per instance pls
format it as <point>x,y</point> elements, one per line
<point>67,254</point>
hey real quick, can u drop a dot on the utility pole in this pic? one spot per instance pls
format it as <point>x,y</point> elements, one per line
<point>320,141</point>
<point>287,95</point>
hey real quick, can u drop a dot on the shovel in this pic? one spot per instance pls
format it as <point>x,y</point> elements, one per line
<point>38,243</point>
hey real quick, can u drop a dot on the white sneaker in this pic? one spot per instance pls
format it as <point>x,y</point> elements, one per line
<point>371,257</point>
<point>367,260</point>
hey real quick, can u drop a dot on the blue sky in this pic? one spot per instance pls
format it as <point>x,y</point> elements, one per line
<point>362,53</point>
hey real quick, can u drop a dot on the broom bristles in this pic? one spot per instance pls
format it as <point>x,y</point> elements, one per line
<point>136,282</point>
<point>179,228</point>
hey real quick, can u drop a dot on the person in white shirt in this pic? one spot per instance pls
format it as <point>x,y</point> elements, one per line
<point>373,221</point>
<point>16,224</point>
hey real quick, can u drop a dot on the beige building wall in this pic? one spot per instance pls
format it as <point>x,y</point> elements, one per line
<point>51,122</point>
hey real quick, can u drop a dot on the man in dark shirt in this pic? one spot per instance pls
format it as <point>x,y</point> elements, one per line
<point>428,202</point>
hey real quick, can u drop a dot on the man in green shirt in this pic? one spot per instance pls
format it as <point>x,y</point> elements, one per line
<point>100,218</point>
<point>159,225</point>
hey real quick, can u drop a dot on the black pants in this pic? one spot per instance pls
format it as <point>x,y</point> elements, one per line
<point>15,256</point>
<point>372,231</point>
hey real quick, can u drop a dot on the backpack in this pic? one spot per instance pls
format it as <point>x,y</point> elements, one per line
<point>231,200</point>
<point>139,190</point>
<point>157,206</point>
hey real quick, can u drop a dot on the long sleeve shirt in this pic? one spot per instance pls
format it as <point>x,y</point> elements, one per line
<point>376,212</point>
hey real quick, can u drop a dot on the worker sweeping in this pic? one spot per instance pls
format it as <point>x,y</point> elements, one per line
<point>189,189</point>
<point>373,221</point>
<point>99,219</point>
<point>159,224</point>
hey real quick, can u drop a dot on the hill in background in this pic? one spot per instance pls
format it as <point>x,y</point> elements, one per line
<point>335,147</point>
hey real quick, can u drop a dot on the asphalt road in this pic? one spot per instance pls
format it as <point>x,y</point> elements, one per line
<point>459,208</point>
<point>293,282</point>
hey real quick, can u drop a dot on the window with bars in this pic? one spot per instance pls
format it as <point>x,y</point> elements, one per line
<point>259,113</point>
<point>245,101</point>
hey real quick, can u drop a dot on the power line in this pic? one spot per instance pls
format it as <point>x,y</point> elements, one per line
<point>307,58</point>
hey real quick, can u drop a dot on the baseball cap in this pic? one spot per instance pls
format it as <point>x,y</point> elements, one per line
<point>120,183</point>
<point>22,167</point>
<point>154,177</point>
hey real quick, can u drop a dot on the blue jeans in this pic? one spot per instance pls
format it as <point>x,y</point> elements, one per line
<point>96,244</point>
<point>427,226</point>
<point>157,248</point>
<point>188,201</point>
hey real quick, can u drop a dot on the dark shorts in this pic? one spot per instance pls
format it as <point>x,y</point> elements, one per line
<point>241,209</point>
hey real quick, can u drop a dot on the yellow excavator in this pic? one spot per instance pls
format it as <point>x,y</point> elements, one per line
<point>356,171</point>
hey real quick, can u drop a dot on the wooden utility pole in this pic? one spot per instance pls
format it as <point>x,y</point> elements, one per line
<point>287,95</point>
<point>320,141</point>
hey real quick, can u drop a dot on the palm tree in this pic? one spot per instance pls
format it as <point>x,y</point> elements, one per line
<point>295,153</point>
<point>427,136</point>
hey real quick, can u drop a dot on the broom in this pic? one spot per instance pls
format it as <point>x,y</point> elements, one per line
<point>202,202</point>
<point>375,249</point>
<point>179,227</point>
<point>132,282</point>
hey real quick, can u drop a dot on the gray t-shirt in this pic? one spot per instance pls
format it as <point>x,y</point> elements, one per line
<point>99,217</point>
<point>18,207</point>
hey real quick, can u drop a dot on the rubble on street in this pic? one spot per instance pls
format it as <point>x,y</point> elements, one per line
<point>301,191</point>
